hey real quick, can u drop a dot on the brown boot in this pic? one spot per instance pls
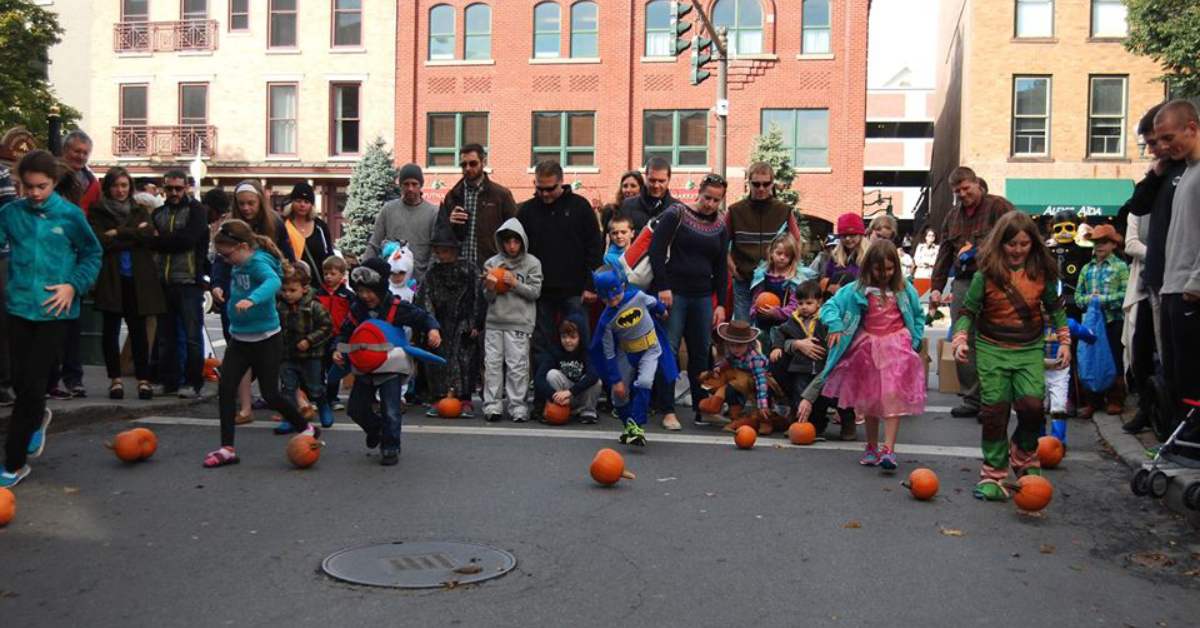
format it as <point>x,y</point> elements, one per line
<point>1116,399</point>
<point>1086,412</point>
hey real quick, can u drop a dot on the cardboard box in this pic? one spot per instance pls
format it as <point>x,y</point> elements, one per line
<point>947,369</point>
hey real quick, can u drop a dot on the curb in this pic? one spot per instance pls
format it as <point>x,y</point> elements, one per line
<point>90,412</point>
<point>1131,452</point>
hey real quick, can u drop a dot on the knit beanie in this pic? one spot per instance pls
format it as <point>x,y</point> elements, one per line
<point>411,171</point>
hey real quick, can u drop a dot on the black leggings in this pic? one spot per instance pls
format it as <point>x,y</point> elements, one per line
<point>111,336</point>
<point>262,357</point>
<point>35,347</point>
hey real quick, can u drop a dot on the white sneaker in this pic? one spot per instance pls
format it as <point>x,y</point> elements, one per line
<point>671,423</point>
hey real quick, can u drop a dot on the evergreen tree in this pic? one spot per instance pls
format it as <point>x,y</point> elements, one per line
<point>769,148</point>
<point>373,180</point>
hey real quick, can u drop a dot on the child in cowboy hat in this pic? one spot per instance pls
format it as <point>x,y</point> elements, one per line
<point>1105,278</point>
<point>740,342</point>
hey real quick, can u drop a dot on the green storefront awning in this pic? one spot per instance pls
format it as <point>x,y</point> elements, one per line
<point>1087,197</point>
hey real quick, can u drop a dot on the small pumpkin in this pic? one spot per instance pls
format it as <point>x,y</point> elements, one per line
<point>212,369</point>
<point>127,446</point>
<point>766,301</point>
<point>304,450</point>
<point>922,483</point>
<point>745,436</point>
<point>450,406</point>
<point>556,413</point>
<point>149,441</point>
<point>8,506</point>
<point>802,433</point>
<point>1050,451</point>
<point>608,467</point>
<point>499,273</point>
<point>1033,493</point>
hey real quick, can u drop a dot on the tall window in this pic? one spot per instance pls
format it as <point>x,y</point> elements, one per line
<point>449,132</point>
<point>282,108</point>
<point>194,9</point>
<point>680,136</point>
<point>568,137</point>
<point>478,32</point>
<point>585,30</point>
<point>660,37</point>
<point>133,105</point>
<point>193,104</point>
<point>744,20</point>
<point>347,22</point>
<point>1106,116</point>
<point>816,27</point>
<point>1108,18</point>
<point>546,29</point>
<point>239,15</point>
<point>1035,18</point>
<point>135,10</point>
<point>282,24</point>
<point>441,32</point>
<point>1031,115</point>
<point>345,119</point>
<point>805,134</point>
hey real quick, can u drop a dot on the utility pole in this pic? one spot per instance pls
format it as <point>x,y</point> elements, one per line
<point>722,106</point>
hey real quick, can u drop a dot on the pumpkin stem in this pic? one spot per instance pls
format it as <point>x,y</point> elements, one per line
<point>628,475</point>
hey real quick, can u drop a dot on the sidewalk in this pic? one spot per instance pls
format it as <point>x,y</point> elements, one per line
<point>98,407</point>
<point>1131,449</point>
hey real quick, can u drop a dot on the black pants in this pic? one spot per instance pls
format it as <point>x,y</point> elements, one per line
<point>110,339</point>
<point>183,308</point>
<point>262,357</point>
<point>1181,347</point>
<point>5,364</point>
<point>36,348</point>
<point>796,383</point>
<point>1142,353</point>
<point>68,367</point>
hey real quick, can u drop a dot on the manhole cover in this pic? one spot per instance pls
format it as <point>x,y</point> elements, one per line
<point>418,565</point>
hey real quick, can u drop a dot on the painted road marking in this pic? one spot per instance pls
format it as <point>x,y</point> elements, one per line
<point>607,435</point>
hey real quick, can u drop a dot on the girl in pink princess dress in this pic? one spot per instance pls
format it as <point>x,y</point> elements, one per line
<point>876,325</point>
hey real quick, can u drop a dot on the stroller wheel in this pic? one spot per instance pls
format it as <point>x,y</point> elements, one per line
<point>1159,482</point>
<point>1140,483</point>
<point>1191,496</point>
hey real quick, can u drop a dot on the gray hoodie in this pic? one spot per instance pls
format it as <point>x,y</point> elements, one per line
<point>1182,273</point>
<point>515,310</point>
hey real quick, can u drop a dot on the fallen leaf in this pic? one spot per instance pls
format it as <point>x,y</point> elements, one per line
<point>852,525</point>
<point>1046,549</point>
<point>1151,559</point>
<point>70,490</point>
<point>951,532</point>
<point>469,569</point>
<point>450,584</point>
<point>710,494</point>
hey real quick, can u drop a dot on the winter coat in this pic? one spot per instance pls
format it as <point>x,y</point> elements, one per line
<point>51,244</point>
<point>336,300</point>
<point>566,239</point>
<point>221,269</point>
<point>516,309</point>
<point>641,208</point>
<point>134,242</point>
<point>753,225</point>
<point>782,336</point>
<point>182,242</point>
<point>258,280</point>
<point>494,206</point>
<point>307,320</point>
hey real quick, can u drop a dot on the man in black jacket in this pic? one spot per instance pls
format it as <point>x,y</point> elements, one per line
<point>565,236</point>
<point>654,199</point>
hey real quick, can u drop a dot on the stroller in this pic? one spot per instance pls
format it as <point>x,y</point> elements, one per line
<point>1178,458</point>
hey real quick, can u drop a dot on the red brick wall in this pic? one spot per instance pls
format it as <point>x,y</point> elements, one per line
<point>620,87</point>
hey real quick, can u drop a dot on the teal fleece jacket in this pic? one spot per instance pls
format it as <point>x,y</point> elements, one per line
<point>51,244</point>
<point>258,280</point>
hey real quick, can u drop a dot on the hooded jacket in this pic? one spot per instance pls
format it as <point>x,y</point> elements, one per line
<point>515,310</point>
<point>257,280</point>
<point>51,244</point>
<point>565,237</point>
<point>641,208</point>
<point>575,365</point>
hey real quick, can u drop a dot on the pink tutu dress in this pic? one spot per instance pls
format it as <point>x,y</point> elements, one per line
<point>880,374</point>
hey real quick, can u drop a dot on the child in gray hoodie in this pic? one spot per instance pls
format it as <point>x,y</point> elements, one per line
<point>512,282</point>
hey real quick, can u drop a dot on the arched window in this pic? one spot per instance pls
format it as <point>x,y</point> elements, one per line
<point>659,35</point>
<point>585,30</point>
<point>478,32</point>
<point>547,33</point>
<point>815,25</point>
<point>441,32</point>
<point>744,20</point>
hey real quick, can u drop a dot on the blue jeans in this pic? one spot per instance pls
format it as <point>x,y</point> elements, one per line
<point>391,402</point>
<point>184,303</point>
<point>741,300</point>
<point>690,320</point>
<point>306,374</point>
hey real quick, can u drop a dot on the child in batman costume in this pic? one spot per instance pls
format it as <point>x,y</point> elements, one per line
<point>627,351</point>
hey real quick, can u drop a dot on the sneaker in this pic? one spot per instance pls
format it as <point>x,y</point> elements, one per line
<point>964,411</point>
<point>588,418</point>
<point>699,420</point>
<point>37,442</point>
<point>634,434</point>
<point>337,406</point>
<point>520,419</point>
<point>390,457</point>
<point>373,439</point>
<point>493,418</point>
<point>887,460</point>
<point>326,415</point>
<point>671,423</point>
<point>58,394</point>
<point>1139,424</point>
<point>870,457</point>
<point>258,404</point>
<point>188,393</point>
<point>9,479</point>
<point>78,391</point>
<point>284,428</point>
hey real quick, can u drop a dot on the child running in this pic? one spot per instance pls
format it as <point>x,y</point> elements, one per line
<point>255,341</point>
<point>1009,302</point>
<point>307,329</point>
<point>875,326</point>
<point>55,258</point>
<point>780,274</point>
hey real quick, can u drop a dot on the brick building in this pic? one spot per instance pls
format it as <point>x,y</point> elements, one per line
<point>594,85</point>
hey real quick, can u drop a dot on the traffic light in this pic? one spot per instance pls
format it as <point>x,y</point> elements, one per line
<point>701,54</point>
<point>679,9</point>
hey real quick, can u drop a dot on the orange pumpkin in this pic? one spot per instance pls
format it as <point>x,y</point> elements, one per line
<point>766,301</point>
<point>1050,451</point>
<point>450,407</point>
<point>304,450</point>
<point>127,446</point>
<point>608,467</point>
<point>711,404</point>
<point>802,433</point>
<point>212,369</point>
<point>1033,493</point>
<point>922,483</point>
<point>148,440</point>
<point>499,273</point>
<point>745,436</point>
<point>556,413</point>
<point>8,506</point>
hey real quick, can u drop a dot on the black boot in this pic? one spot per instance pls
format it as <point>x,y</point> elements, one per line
<point>1139,423</point>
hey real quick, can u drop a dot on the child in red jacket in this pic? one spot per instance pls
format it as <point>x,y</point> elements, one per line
<point>337,298</point>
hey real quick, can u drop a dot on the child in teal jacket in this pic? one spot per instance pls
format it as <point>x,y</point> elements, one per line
<point>55,259</point>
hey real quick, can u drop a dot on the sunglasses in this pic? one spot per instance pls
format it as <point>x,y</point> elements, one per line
<point>174,188</point>
<point>762,184</point>
<point>713,179</point>
<point>468,164</point>
<point>545,189</point>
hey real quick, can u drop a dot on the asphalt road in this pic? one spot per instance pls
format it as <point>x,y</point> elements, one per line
<point>706,536</point>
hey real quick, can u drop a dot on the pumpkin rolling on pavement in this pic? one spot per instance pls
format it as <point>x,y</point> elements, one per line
<point>304,451</point>
<point>744,437</point>
<point>1050,452</point>
<point>922,483</point>
<point>802,433</point>
<point>134,445</point>
<point>149,441</point>
<point>608,467</point>
<point>1032,493</point>
<point>8,506</point>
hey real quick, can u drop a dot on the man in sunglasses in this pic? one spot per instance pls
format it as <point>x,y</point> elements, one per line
<point>476,207</point>
<point>753,222</point>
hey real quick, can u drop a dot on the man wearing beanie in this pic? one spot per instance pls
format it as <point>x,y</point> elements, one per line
<point>409,218</point>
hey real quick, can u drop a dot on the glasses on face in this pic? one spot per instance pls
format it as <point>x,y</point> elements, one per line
<point>468,164</point>
<point>762,184</point>
<point>545,189</point>
<point>174,188</point>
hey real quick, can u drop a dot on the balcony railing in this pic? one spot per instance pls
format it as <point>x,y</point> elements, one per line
<point>165,36</point>
<point>164,141</point>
